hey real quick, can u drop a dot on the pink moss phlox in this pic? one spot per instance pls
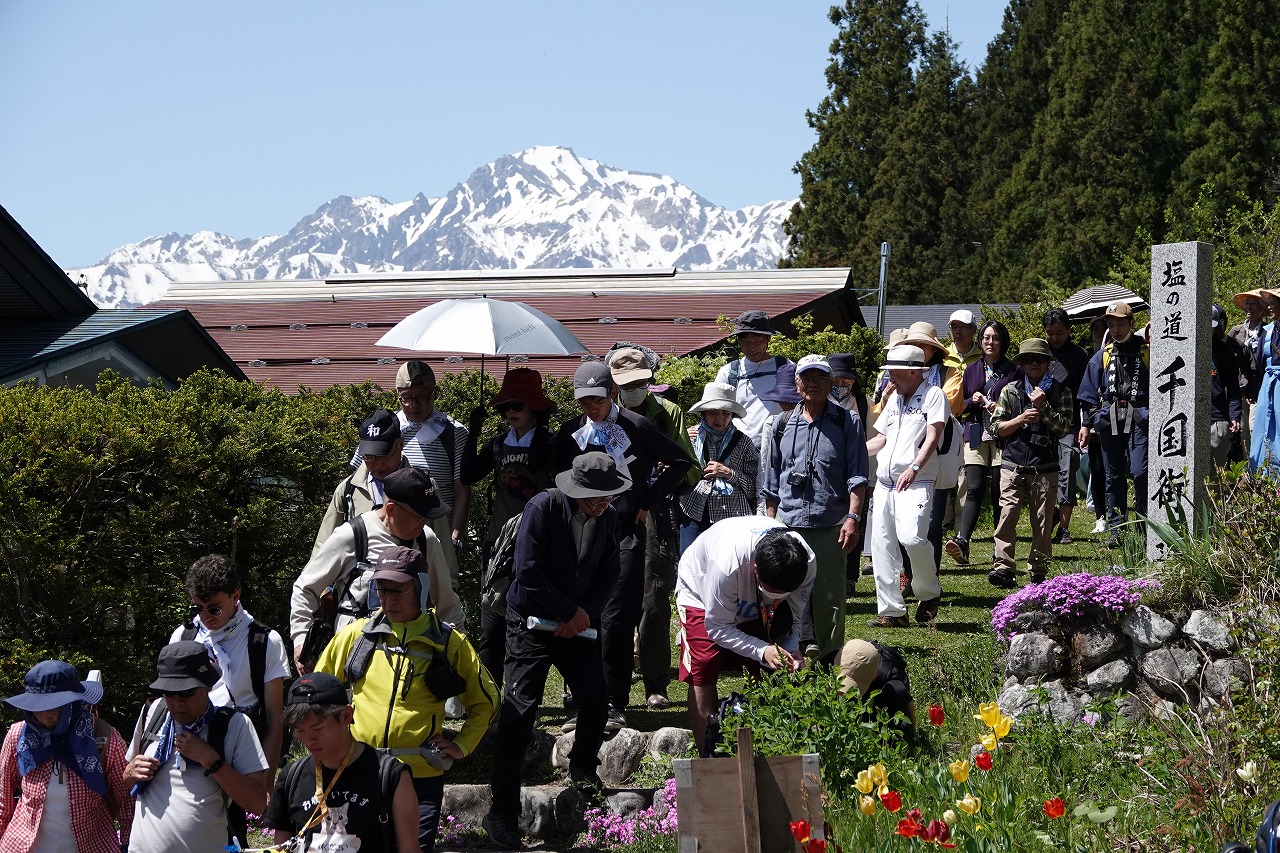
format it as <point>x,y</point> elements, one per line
<point>1071,596</point>
<point>658,819</point>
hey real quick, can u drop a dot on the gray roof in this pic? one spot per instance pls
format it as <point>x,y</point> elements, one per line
<point>901,316</point>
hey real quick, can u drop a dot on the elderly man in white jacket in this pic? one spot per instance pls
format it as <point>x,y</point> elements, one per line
<point>741,589</point>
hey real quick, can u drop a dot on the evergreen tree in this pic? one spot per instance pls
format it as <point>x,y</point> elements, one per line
<point>917,201</point>
<point>870,83</point>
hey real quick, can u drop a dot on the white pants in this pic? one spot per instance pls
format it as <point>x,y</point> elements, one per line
<point>902,518</point>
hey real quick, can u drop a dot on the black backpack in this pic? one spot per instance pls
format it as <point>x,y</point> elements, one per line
<point>498,573</point>
<point>258,641</point>
<point>389,770</point>
<point>237,823</point>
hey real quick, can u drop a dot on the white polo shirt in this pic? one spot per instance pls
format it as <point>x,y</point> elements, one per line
<point>903,424</point>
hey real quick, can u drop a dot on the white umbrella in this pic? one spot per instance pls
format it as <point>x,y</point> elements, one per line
<point>1093,301</point>
<point>482,326</point>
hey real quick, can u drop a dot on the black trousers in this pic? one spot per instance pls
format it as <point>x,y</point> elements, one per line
<point>621,616</point>
<point>491,645</point>
<point>530,656</point>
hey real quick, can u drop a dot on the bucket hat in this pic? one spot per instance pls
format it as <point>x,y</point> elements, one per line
<point>785,389</point>
<point>753,323</point>
<point>923,334</point>
<point>718,396</point>
<point>1035,346</point>
<point>51,684</point>
<point>523,384</point>
<point>185,665</point>
<point>593,475</point>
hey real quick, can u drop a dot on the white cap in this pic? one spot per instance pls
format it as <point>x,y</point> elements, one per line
<point>964,315</point>
<point>813,362</point>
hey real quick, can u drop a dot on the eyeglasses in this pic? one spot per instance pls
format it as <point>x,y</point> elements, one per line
<point>181,694</point>
<point>634,386</point>
<point>384,591</point>
<point>602,500</point>
<point>213,610</point>
<point>509,406</point>
<point>815,380</point>
<point>416,399</point>
<point>1034,359</point>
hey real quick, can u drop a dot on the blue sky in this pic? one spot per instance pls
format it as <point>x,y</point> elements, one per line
<point>128,119</point>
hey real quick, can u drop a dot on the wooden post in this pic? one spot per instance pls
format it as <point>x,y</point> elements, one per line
<point>747,783</point>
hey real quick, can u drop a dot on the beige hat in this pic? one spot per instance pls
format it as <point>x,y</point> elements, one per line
<point>414,373</point>
<point>859,664</point>
<point>627,365</point>
<point>1240,298</point>
<point>895,338</point>
<point>1118,309</point>
<point>923,334</point>
<point>718,396</point>
<point>1037,347</point>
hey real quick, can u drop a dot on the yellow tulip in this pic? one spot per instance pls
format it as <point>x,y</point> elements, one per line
<point>867,807</point>
<point>879,775</point>
<point>882,790</point>
<point>949,817</point>
<point>969,805</point>
<point>864,783</point>
<point>959,770</point>
<point>989,742</point>
<point>1002,726</point>
<point>989,713</point>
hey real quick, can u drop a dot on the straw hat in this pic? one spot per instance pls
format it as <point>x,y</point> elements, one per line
<point>923,334</point>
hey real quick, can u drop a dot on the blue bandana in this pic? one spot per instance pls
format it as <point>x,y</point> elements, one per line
<point>70,743</point>
<point>164,743</point>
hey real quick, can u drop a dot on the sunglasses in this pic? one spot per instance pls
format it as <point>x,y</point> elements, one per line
<point>181,694</point>
<point>510,406</point>
<point>213,610</point>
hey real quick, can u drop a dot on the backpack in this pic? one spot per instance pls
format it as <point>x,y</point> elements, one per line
<point>735,370</point>
<point>440,677</point>
<point>893,666</point>
<point>389,770</point>
<point>950,454</point>
<point>258,641</point>
<point>237,823</point>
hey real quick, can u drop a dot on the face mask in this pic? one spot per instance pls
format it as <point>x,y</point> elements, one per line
<point>771,596</point>
<point>633,398</point>
<point>840,393</point>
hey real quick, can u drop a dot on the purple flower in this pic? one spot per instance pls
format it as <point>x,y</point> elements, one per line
<point>1071,596</point>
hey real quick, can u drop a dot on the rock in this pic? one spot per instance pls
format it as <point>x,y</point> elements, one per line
<point>1221,677</point>
<point>1096,644</point>
<point>627,804</point>
<point>538,811</point>
<point>539,752</point>
<point>1110,676</point>
<point>1064,704</point>
<point>621,755</point>
<point>467,803</point>
<point>671,742</point>
<point>1033,655</point>
<point>1035,622</point>
<point>1147,628</point>
<point>1170,670</point>
<point>560,752</point>
<point>1016,701</point>
<point>1142,701</point>
<point>569,808</point>
<point>1131,708</point>
<point>1209,632</point>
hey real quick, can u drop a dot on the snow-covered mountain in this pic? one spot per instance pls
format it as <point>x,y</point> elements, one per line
<point>545,207</point>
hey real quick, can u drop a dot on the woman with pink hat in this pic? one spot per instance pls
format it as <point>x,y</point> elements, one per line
<point>72,790</point>
<point>520,461</point>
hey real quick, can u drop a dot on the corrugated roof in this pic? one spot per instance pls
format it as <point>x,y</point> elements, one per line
<point>320,334</point>
<point>32,286</point>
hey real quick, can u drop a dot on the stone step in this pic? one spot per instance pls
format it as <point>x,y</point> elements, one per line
<point>546,811</point>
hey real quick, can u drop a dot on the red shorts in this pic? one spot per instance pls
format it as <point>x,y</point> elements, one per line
<point>701,660</point>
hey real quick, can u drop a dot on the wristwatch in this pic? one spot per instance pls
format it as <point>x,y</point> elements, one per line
<point>854,516</point>
<point>915,467</point>
<point>215,766</point>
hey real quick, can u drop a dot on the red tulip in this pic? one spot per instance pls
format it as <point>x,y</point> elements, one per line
<point>937,831</point>
<point>892,801</point>
<point>1055,808</point>
<point>983,760</point>
<point>800,829</point>
<point>936,716</point>
<point>909,827</point>
<point>815,845</point>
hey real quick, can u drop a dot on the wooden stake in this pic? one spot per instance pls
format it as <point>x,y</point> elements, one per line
<point>747,781</point>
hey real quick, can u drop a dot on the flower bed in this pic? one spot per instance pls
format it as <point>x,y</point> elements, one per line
<point>1074,596</point>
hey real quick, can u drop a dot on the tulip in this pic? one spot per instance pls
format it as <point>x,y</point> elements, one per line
<point>989,742</point>
<point>892,801</point>
<point>983,760</point>
<point>863,783</point>
<point>909,828</point>
<point>815,845</point>
<point>936,717</point>
<point>1248,772</point>
<point>989,713</point>
<point>867,806</point>
<point>1002,726</point>
<point>969,805</point>
<point>800,829</point>
<point>937,831</point>
<point>879,775</point>
<point>959,770</point>
<point>1055,808</point>
<point>950,817</point>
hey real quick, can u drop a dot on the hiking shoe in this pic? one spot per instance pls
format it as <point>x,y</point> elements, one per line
<point>1113,541</point>
<point>1036,577</point>
<point>1100,526</point>
<point>502,833</point>
<point>811,651</point>
<point>1061,537</point>
<point>958,549</point>
<point>657,701</point>
<point>570,725</point>
<point>868,570</point>
<point>587,784</point>
<point>614,721</point>
<point>883,621</point>
<point>927,611</point>
<point>566,700</point>
<point>1002,578</point>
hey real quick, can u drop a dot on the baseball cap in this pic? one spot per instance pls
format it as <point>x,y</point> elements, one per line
<point>964,315</point>
<point>379,433</point>
<point>414,373</point>
<point>592,379</point>
<point>317,688</point>
<point>813,362</point>
<point>413,488</point>
<point>399,564</point>
<point>1119,309</point>
<point>859,664</point>
<point>627,365</point>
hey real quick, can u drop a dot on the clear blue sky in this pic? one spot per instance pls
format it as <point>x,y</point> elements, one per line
<point>121,120</point>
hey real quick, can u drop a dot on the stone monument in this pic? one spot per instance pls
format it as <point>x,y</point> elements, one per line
<point>1178,454</point>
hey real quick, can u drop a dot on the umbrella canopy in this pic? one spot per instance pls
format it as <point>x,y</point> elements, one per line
<point>484,327</point>
<point>1093,301</point>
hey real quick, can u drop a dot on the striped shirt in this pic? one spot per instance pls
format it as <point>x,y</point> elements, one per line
<point>431,457</point>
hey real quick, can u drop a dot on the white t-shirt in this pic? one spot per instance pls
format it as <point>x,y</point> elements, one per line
<point>718,576</point>
<point>55,834</point>
<point>903,424</point>
<point>181,810</point>
<point>754,379</point>
<point>230,645</point>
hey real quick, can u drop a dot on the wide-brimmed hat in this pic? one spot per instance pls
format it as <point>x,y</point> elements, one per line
<point>51,684</point>
<point>185,665</point>
<point>628,365</point>
<point>923,334</point>
<point>753,323</point>
<point>593,475</point>
<point>1240,298</point>
<point>895,338</point>
<point>379,433</point>
<point>412,487</point>
<point>844,365</point>
<point>784,389</point>
<point>1038,347</point>
<point>719,396</point>
<point>523,384</point>
<point>859,665</point>
<point>904,357</point>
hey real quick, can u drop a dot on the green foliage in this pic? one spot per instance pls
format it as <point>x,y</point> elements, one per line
<point>795,713</point>
<point>973,669</point>
<point>865,344</point>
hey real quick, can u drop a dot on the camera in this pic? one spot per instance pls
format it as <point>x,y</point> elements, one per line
<point>795,478</point>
